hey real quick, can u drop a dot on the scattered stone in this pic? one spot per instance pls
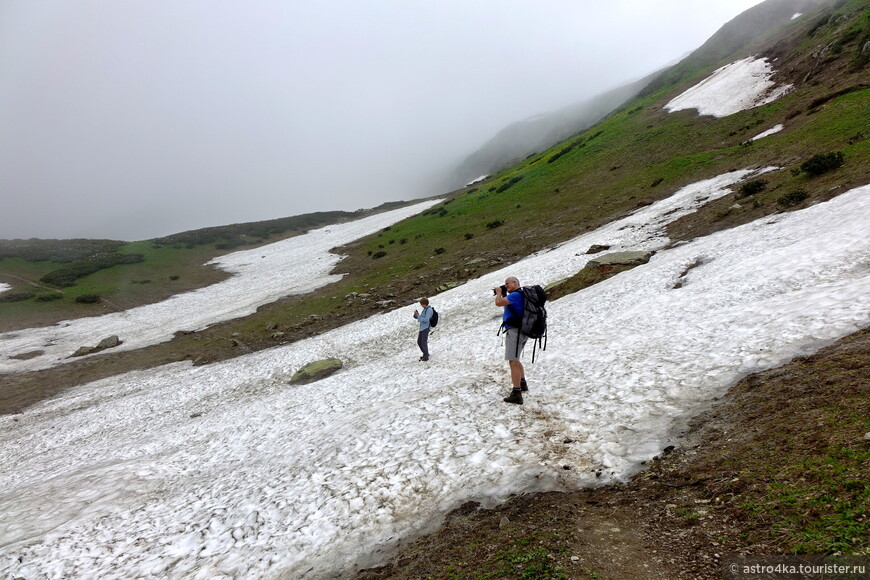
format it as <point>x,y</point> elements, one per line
<point>315,371</point>
<point>596,248</point>
<point>448,286</point>
<point>504,522</point>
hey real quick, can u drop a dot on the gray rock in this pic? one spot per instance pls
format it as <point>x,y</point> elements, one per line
<point>620,259</point>
<point>315,371</point>
<point>595,248</point>
<point>109,342</point>
<point>83,350</point>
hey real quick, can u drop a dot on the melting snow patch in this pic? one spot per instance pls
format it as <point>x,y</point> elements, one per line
<point>738,86</point>
<point>261,275</point>
<point>771,131</point>
<point>4,287</point>
<point>225,470</point>
<point>797,15</point>
<point>478,180</point>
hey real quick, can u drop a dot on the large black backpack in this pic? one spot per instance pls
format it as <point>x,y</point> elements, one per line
<point>433,320</point>
<point>533,322</point>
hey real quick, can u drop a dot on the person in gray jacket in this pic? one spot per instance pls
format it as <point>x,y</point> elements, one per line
<point>423,336</point>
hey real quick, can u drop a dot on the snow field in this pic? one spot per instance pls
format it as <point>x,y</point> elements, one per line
<point>261,276</point>
<point>226,471</point>
<point>737,86</point>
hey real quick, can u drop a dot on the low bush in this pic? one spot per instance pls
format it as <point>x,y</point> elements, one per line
<point>792,199</point>
<point>377,255</point>
<point>65,277</point>
<point>16,297</point>
<point>509,183</point>
<point>48,297</point>
<point>823,162</point>
<point>495,224</point>
<point>87,299</point>
<point>751,188</point>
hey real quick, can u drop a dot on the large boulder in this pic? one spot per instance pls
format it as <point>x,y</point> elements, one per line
<point>620,259</point>
<point>597,270</point>
<point>315,371</point>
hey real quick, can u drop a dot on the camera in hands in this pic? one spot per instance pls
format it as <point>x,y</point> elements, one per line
<point>504,290</point>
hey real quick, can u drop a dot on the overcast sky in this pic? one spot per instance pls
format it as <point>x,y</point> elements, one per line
<point>136,119</point>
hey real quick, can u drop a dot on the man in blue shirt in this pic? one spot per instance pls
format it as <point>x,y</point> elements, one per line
<point>423,336</point>
<point>515,340</point>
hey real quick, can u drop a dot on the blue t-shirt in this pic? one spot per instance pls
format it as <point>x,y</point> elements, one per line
<point>515,310</point>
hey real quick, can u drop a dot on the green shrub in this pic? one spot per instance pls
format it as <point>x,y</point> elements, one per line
<point>751,188</point>
<point>16,297</point>
<point>67,276</point>
<point>440,250</point>
<point>509,183</point>
<point>495,224</point>
<point>469,236</point>
<point>377,255</point>
<point>823,162</point>
<point>87,299</point>
<point>48,297</point>
<point>794,198</point>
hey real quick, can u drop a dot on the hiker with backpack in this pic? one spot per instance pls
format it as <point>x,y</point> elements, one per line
<point>524,317</point>
<point>428,318</point>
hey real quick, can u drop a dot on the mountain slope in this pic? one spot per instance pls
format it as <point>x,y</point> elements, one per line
<point>523,138</point>
<point>638,156</point>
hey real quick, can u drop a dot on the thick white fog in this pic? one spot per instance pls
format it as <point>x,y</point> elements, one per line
<point>131,120</point>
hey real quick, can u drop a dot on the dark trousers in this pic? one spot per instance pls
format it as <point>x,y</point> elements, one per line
<point>423,342</point>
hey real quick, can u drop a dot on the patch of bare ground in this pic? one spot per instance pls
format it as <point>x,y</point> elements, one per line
<point>779,465</point>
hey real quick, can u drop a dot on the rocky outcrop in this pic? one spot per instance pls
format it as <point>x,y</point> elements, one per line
<point>108,342</point>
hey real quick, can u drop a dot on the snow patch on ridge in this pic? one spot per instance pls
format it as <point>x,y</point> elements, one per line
<point>775,129</point>
<point>735,87</point>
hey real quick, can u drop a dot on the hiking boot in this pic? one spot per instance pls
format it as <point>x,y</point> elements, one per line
<point>424,358</point>
<point>516,397</point>
<point>523,386</point>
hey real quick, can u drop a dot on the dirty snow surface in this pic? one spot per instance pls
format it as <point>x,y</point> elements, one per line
<point>227,471</point>
<point>261,275</point>
<point>738,86</point>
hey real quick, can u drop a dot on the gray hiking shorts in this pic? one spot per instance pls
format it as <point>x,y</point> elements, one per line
<point>511,336</point>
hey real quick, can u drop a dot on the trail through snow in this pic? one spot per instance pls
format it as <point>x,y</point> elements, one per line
<point>227,471</point>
